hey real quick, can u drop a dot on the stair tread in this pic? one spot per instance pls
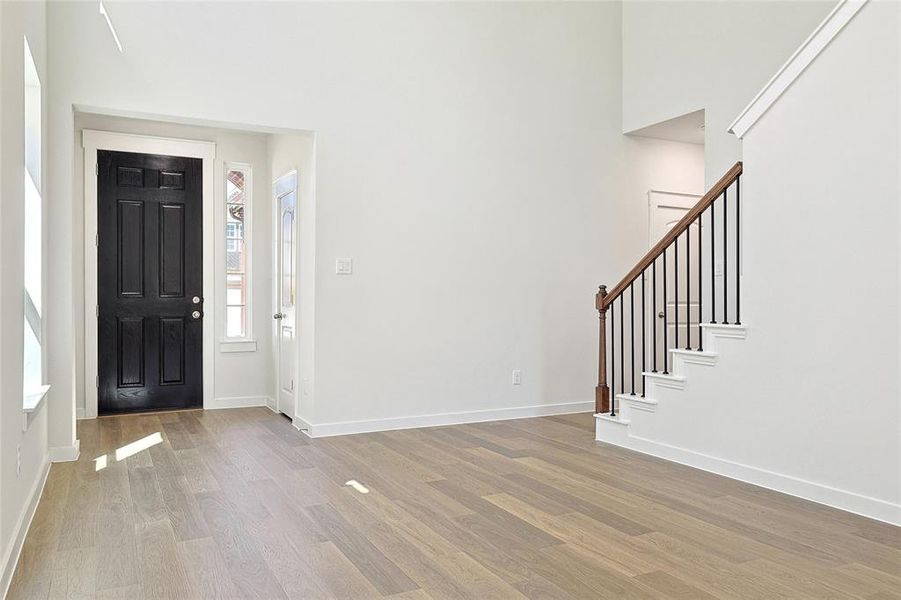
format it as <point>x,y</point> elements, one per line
<point>693,352</point>
<point>617,419</point>
<point>660,375</point>
<point>636,398</point>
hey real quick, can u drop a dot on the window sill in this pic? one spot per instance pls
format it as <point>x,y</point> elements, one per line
<point>242,345</point>
<point>31,402</point>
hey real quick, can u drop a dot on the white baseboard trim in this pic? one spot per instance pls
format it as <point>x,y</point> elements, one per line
<point>270,402</point>
<point>302,425</point>
<point>317,430</point>
<point>866,506</point>
<point>238,402</point>
<point>11,555</point>
<point>79,413</point>
<point>65,453</point>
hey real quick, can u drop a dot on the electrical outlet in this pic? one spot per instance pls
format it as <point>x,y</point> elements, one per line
<point>517,377</point>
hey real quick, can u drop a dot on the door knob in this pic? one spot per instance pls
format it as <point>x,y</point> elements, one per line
<point>278,316</point>
<point>196,314</point>
<point>660,315</point>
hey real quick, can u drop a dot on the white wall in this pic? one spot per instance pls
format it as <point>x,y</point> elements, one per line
<point>826,157</point>
<point>651,164</point>
<point>17,491</point>
<point>682,56</point>
<point>809,402</point>
<point>468,157</point>
<point>241,378</point>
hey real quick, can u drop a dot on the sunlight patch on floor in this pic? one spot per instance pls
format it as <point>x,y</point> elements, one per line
<point>123,452</point>
<point>353,483</point>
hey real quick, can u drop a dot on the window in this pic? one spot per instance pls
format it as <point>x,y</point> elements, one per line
<point>237,266</point>
<point>33,376</point>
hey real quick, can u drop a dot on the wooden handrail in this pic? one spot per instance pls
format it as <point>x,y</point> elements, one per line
<point>678,229</point>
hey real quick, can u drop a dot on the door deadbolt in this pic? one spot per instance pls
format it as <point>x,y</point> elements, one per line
<point>196,300</point>
<point>278,316</point>
<point>196,314</point>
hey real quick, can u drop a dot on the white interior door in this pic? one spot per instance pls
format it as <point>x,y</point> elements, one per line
<point>285,196</point>
<point>667,209</point>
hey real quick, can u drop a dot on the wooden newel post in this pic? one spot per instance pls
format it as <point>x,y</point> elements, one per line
<point>602,392</point>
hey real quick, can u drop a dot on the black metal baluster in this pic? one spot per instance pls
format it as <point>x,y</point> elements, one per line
<point>644,337</point>
<point>612,359</point>
<point>632,329</point>
<point>622,351</point>
<point>665,319</point>
<point>725,258</point>
<point>738,250</point>
<point>688,288</point>
<point>676,293</point>
<point>654,308</point>
<point>712,262</point>
<point>700,291</point>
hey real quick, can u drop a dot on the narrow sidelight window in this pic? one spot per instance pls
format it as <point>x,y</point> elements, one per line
<point>237,248</point>
<point>33,376</point>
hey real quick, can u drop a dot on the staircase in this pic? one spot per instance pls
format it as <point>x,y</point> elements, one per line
<point>654,336</point>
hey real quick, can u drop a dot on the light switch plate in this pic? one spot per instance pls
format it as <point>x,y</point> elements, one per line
<point>344,266</point>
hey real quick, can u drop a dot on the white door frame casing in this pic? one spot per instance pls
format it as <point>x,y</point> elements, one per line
<point>92,141</point>
<point>680,200</point>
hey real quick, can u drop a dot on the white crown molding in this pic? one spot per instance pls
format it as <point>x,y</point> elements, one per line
<point>799,61</point>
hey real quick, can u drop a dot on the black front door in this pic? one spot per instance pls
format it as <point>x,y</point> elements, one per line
<point>150,281</point>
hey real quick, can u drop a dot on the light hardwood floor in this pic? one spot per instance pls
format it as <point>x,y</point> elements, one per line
<point>238,504</point>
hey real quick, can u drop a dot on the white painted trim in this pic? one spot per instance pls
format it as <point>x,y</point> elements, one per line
<point>440,419</point>
<point>675,382</point>
<point>618,419</point>
<point>302,425</point>
<point>637,402</point>
<point>713,332</point>
<point>237,345</point>
<point>237,402</point>
<point>799,61</point>
<point>873,508</point>
<point>66,453</point>
<point>79,413</point>
<point>31,402</point>
<point>694,357</point>
<point>125,142</point>
<point>12,553</point>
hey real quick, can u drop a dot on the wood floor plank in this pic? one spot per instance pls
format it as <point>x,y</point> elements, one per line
<point>246,567</point>
<point>383,574</point>
<point>164,571</point>
<point>181,508</point>
<point>238,504</point>
<point>209,573</point>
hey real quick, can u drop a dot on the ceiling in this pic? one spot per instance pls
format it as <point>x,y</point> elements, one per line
<point>687,128</point>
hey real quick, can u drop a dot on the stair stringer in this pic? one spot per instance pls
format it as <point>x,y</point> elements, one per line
<point>667,404</point>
